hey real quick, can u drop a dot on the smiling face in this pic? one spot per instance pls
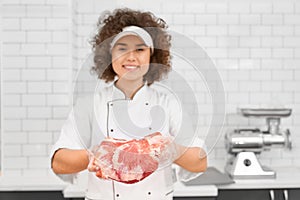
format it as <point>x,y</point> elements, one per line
<point>130,58</point>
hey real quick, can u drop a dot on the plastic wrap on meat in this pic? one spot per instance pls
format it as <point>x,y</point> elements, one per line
<point>130,161</point>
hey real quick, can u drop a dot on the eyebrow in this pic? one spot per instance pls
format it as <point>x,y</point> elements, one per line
<point>124,44</point>
<point>141,45</point>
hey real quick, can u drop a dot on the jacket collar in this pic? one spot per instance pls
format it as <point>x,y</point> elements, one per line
<point>141,94</point>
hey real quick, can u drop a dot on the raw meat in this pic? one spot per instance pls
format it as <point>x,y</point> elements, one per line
<point>130,161</point>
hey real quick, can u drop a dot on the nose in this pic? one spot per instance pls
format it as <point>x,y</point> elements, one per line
<point>131,55</point>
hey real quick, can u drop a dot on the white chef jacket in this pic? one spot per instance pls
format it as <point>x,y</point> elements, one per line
<point>93,118</point>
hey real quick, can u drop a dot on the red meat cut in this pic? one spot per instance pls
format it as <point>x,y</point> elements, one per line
<point>130,161</point>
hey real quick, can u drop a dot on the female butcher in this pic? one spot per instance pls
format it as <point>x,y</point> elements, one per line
<point>131,53</point>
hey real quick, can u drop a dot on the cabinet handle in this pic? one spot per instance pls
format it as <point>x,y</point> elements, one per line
<point>286,194</point>
<point>272,196</point>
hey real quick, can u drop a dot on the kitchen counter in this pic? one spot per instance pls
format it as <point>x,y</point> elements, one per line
<point>25,183</point>
<point>286,177</point>
<point>181,190</point>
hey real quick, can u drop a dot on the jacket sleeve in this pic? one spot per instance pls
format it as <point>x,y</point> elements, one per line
<point>75,133</point>
<point>181,128</point>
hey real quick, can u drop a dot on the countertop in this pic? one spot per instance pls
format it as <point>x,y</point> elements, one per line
<point>25,183</point>
<point>287,177</point>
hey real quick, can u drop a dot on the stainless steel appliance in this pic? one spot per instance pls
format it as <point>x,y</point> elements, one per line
<point>244,144</point>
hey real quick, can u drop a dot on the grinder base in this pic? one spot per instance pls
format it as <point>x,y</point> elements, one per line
<point>245,165</point>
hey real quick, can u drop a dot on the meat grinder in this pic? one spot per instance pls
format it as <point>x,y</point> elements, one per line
<point>244,145</point>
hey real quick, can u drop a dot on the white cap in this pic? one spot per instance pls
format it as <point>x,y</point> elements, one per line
<point>137,31</point>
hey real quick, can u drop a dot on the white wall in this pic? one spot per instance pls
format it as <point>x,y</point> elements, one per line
<point>36,75</point>
<point>1,92</point>
<point>255,45</point>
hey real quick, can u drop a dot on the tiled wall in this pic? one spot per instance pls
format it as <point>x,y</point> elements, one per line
<point>255,45</point>
<point>36,75</point>
<point>0,92</point>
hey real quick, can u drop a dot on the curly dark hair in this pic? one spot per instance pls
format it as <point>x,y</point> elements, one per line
<point>112,23</point>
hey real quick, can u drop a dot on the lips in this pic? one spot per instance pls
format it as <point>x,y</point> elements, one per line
<point>130,67</point>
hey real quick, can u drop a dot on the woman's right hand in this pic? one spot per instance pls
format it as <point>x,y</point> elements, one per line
<point>92,166</point>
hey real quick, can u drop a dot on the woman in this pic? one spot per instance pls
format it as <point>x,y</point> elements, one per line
<point>131,51</point>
